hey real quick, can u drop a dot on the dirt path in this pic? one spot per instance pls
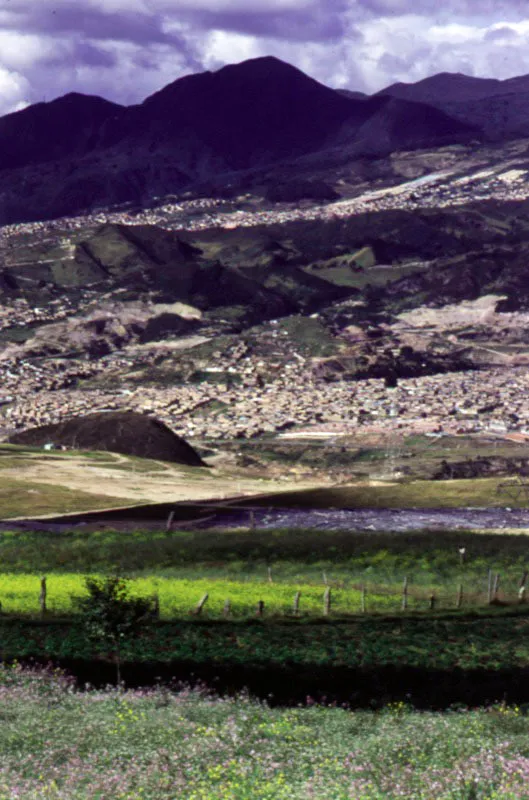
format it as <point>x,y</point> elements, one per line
<point>122,478</point>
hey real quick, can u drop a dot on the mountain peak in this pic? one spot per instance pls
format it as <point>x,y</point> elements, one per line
<point>262,65</point>
<point>244,75</point>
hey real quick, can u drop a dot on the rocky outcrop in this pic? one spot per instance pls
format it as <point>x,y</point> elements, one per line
<point>109,327</point>
<point>391,364</point>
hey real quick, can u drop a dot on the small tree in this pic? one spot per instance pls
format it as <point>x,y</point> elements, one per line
<point>111,616</point>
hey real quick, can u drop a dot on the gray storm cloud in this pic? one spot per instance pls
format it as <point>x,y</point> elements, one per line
<point>126,49</point>
<point>456,9</point>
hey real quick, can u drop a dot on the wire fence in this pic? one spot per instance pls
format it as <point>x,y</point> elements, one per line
<point>180,598</point>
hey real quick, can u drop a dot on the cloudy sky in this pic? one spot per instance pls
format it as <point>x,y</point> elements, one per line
<point>126,49</point>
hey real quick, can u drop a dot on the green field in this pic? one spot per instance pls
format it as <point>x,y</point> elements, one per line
<point>363,570</point>
<point>361,630</point>
<point>178,598</point>
<point>309,649</point>
<point>443,623</point>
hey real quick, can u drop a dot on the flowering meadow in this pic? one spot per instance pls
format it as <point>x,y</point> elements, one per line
<point>156,744</point>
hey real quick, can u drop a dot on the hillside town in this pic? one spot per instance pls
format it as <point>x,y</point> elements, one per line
<point>293,402</point>
<point>292,399</point>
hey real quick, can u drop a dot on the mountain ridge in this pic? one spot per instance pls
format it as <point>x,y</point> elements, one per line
<point>444,84</point>
<point>79,152</point>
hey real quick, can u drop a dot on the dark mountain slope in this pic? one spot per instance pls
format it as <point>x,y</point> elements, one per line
<point>264,110</point>
<point>352,94</point>
<point>79,153</point>
<point>453,87</point>
<point>400,125</point>
<point>500,108</point>
<point>68,126</point>
<point>256,112</point>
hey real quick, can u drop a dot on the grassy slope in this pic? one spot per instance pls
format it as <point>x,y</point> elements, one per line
<point>479,492</point>
<point>20,498</point>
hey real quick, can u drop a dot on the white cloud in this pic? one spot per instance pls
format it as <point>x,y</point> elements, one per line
<point>19,51</point>
<point>14,90</point>
<point>410,48</point>
<point>378,52</point>
<point>222,47</point>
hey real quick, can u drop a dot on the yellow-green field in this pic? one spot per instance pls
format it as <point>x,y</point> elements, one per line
<point>19,593</point>
<point>178,598</point>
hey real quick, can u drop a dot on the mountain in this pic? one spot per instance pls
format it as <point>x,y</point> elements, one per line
<point>260,111</point>
<point>394,124</point>
<point>499,108</point>
<point>79,153</point>
<point>248,279</point>
<point>68,126</point>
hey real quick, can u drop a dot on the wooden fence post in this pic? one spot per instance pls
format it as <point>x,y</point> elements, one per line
<point>459,602</point>
<point>201,603</point>
<point>169,523</point>
<point>155,606</point>
<point>327,602</point>
<point>226,611</point>
<point>489,588</point>
<point>431,602</point>
<point>521,590</point>
<point>363,599</point>
<point>260,608</point>
<point>405,594</point>
<point>270,579</point>
<point>295,607</point>
<point>496,586</point>
<point>42,597</point>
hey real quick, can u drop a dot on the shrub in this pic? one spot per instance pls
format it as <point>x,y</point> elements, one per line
<point>110,615</point>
